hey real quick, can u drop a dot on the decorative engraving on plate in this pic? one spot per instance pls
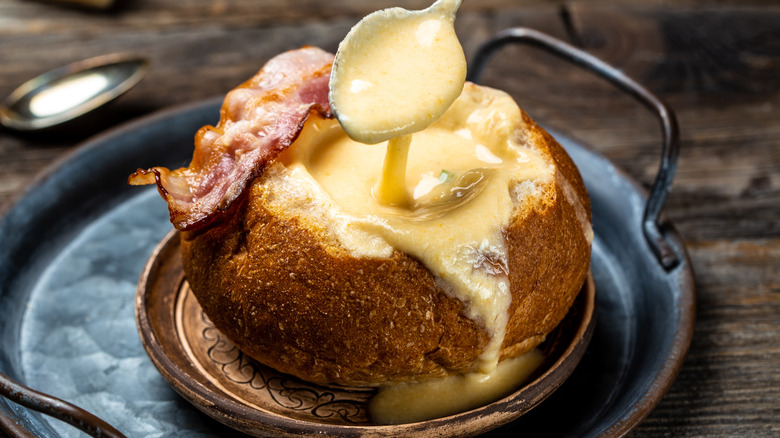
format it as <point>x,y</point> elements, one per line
<point>260,386</point>
<point>286,391</point>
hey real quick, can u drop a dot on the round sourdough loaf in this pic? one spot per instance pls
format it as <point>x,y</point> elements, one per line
<point>284,290</point>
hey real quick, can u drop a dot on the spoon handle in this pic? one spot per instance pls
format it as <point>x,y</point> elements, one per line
<point>448,7</point>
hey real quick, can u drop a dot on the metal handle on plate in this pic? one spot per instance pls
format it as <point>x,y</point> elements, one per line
<point>651,222</point>
<point>52,406</point>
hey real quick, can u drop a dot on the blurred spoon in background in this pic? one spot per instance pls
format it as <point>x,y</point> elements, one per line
<point>65,94</point>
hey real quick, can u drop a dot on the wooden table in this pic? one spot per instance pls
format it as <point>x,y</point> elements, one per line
<point>718,67</point>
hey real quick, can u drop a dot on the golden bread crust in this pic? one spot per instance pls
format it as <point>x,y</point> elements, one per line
<point>292,301</point>
<point>549,253</point>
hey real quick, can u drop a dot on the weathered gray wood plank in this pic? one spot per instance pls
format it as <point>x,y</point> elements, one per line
<point>719,67</point>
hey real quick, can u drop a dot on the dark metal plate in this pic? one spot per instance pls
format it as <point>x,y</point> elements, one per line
<point>73,246</point>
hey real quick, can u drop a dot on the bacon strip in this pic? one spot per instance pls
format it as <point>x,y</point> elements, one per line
<point>258,120</point>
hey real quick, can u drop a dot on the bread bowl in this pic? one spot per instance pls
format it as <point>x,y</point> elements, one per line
<point>270,264</point>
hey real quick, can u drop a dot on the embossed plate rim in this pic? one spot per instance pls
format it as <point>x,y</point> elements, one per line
<point>285,391</point>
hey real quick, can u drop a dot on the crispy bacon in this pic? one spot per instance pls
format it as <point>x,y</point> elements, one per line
<point>258,120</point>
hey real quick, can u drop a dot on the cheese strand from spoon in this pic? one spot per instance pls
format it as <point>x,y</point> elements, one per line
<point>391,189</point>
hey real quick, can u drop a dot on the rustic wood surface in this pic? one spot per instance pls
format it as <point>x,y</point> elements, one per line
<point>717,64</point>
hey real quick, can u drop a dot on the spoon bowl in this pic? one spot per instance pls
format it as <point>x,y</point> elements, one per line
<point>397,71</point>
<point>70,92</point>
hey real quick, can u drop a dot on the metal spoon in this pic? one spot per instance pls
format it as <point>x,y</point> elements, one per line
<point>70,92</point>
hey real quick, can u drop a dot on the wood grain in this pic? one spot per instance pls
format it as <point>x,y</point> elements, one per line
<point>717,64</point>
<point>720,70</point>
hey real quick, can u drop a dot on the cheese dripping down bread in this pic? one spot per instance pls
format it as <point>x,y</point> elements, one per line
<point>291,258</point>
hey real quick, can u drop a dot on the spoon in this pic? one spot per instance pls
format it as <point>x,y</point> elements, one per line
<point>70,92</point>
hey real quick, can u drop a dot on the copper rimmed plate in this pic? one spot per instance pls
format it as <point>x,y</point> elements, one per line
<point>211,373</point>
